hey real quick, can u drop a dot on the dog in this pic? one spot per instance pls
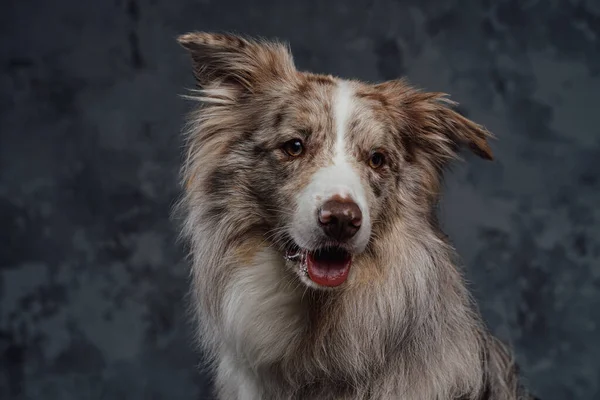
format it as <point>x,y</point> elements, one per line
<point>319,270</point>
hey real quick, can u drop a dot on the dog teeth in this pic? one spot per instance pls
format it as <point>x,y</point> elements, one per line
<point>301,259</point>
<point>293,257</point>
<point>304,268</point>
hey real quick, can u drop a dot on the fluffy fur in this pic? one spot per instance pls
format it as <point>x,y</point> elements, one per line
<point>403,326</point>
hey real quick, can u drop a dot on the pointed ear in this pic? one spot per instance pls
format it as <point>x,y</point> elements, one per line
<point>431,121</point>
<point>234,61</point>
<point>460,130</point>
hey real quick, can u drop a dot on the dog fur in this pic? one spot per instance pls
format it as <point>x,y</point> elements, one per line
<point>403,326</point>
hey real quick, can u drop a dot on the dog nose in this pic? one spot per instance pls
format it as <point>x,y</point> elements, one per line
<point>340,220</point>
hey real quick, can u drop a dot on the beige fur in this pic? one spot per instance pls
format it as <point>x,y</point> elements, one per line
<point>403,326</point>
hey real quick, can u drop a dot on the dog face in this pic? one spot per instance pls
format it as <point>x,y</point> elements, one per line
<point>319,166</point>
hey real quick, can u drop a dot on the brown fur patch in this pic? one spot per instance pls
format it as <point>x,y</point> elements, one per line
<point>246,250</point>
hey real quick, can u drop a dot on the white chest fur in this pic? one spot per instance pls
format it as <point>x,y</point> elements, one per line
<point>262,314</point>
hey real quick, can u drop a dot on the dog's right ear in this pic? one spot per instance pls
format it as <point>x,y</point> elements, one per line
<point>223,61</point>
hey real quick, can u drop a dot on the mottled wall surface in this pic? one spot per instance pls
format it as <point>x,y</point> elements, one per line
<point>92,281</point>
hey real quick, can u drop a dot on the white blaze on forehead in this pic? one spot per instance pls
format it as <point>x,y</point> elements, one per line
<point>343,105</point>
<point>339,179</point>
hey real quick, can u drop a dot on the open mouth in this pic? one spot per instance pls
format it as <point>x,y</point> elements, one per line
<point>328,266</point>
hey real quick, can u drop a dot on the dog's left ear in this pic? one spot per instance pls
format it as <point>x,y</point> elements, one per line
<point>431,120</point>
<point>446,121</point>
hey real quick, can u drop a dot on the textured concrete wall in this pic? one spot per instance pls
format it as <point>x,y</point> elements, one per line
<point>92,283</point>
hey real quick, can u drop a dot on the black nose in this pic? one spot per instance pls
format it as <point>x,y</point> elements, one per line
<point>340,219</point>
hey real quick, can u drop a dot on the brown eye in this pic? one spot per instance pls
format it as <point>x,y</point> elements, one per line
<point>377,159</point>
<point>293,147</point>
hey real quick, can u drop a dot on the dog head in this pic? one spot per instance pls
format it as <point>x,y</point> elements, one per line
<point>316,165</point>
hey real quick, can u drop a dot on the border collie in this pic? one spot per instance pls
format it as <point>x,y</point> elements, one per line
<point>319,268</point>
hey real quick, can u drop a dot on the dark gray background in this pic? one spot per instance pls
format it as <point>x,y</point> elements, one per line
<point>92,281</point>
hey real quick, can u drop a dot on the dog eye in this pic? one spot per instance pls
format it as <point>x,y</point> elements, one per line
<point>293,147</point>
<point>377,160</point>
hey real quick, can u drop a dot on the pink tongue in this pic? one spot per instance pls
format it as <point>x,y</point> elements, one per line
<point>328,273</point>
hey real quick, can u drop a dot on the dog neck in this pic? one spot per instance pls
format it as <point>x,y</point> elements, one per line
<point>413,317</point>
